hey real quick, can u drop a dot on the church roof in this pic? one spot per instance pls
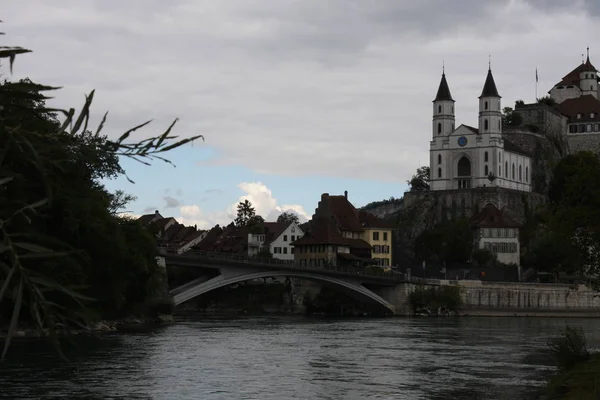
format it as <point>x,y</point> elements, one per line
<point>489,87</point>
<point>491,217</point>
<point>443,92</point>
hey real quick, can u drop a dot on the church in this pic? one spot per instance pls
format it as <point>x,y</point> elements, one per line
<point>467,157</point>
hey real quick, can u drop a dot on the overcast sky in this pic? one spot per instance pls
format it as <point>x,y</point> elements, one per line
<point>294,97</point>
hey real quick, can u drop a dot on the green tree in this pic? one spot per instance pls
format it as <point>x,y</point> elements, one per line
<point>65,254</point>
<point>420,181</point>
<point>245,213</point>
<point>510,117</point>
<point>287,218</point>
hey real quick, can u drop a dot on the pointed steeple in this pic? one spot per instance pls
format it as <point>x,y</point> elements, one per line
<point>443,93</point>
<point>489,87</point>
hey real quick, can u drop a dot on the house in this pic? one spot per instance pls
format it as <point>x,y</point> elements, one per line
<point>149,218</point>
<point>276,238</point>
<point>339,234</point>
<point>171,235</point>
<point>495,231</point>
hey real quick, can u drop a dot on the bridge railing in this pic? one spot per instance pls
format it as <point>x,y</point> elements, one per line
<point>292,264</point>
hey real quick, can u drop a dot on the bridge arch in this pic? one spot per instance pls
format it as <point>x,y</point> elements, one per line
<point>231,277</point>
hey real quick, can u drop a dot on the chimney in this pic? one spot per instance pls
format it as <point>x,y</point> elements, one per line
<point>324,196</point>
<point>195,227</point>
<point>156,212</point>
<point>346,194</point>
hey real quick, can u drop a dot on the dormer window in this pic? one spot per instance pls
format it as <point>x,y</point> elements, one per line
<point>592,115</point>
<point>578,115</point>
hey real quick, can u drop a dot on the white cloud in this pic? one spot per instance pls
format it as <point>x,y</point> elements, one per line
<point>257,193</point>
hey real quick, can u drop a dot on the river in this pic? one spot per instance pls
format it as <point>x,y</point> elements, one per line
<point>295,358</point>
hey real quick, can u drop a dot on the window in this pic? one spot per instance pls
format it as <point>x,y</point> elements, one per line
<point>586,76</point>
<point>277,250</point>
<point>439,172</point>
<point>526,174</point>
<point>375,235</point>
<point>485,124</point>
<point>285,250</point>
<point>452,108</point>
<point>573,128</point>
<point>592,115</point>
<point>439,158</point>
<point>499,169</point>
<point>578,115</point>
<point>486,171</point>
<point>293,238</point>
<point>520,173</point>
<point>499,124</point>
<point>581,128</point>
<point>485,157</point>
<point>285,238</point>
<point>485,106</point>
<point>293,229</point>
<point>588,128</point>
<point>439,109</point>
<point>453,127</point>
<point>385,234</point>
<point>513,171</point>
<point>506,169</point>
<point>439,128</point>
<point>499,156</point>
<point>596,127</point>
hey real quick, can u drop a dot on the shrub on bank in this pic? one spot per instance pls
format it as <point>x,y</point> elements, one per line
<point>435,298</point>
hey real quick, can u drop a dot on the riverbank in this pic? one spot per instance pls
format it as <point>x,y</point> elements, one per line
<point>529,313</point>
<point>126,325</point>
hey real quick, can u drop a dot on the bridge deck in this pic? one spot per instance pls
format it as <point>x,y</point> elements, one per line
<point>211,259</point>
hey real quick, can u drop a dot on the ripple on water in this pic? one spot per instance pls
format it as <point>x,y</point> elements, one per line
<point>281,358</point>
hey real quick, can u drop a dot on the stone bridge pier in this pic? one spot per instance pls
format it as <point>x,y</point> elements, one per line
<point>397,296</point>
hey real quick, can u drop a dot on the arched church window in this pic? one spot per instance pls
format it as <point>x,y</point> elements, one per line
<point>486,171</point>
<point>439,172</point>
<point>486,105</point>
<point>520,173</point>
<point>526,174</point>
<point>513,171</point>
<point>439,158</point>
<point>485,125</point>
<point>439,128</point>
<point>453,127</point>
<point>464,167</point>
<point>485,157</point>
<point>499,169</point>
<point>439,109</point>
<point>499,124</point>
<point>506,169</point>
<point>499,156</point>
<point>452,109</point>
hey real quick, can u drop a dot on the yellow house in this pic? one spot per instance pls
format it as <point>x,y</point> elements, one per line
<point>378,233</point>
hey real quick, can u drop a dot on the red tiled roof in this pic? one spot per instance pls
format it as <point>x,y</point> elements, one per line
<point>491,217</point>
<point>161,223</point>
<point>326,233</point>
<point>584,105</point>
<point>273,230</point>
<point>572,78</point>
<point>146,218</point>
<point>345,213</point>
<point>369,220</point>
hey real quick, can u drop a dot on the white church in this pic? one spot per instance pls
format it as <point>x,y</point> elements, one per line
<point>468,157</point>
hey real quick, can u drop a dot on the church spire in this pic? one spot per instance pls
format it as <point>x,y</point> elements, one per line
<point>443,93</point>
<point>489,87</point>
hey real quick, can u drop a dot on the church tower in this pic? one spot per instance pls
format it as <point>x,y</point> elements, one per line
<point>490,108</point>
<point>443,110</point>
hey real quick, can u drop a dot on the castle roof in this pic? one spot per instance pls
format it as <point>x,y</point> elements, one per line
<point>584,105</point>
<point>489,87</point>
<point>573,77</point>
<point>443,93</point>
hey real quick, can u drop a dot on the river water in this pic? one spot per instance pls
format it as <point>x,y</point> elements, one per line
<point>296,358</point>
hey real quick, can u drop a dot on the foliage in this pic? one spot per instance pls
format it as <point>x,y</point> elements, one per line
<point>510,117</point>
<point>448,242</point>
<point>420,181</point>
<point>435,297</point>
<point>65,254</point>
<point>287,218</point>
<point>549,101</point>
<point>245,213</point>
<point>578,371</point>
<point>375,204</point>
<point>484,257</point>
<point>264,253</point>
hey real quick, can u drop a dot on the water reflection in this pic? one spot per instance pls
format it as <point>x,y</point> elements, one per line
<point>275,358</point>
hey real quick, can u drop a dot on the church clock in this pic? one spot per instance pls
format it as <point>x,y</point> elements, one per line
<point>462,141</point>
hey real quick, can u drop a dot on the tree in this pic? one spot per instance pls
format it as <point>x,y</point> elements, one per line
<point>64,251</point>
<point>287,218</point>
<point>510,117</point>
<point>420,181</point>
<point>245,213</point>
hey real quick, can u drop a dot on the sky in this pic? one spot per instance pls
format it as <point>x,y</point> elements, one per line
<point>294,98</point>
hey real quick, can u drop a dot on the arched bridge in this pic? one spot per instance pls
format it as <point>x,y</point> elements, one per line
<point>234,269</point>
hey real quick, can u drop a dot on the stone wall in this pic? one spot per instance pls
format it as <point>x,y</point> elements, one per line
<point>496,298</point>
<point>584,142</point>
<point>451,204</point>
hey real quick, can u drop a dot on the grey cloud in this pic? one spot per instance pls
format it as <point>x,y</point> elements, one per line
<point>213,191</point>
<point>150,209</point>
<point>171,202</point>
<point>329,87</point>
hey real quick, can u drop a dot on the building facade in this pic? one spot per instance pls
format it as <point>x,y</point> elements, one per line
<point>275,238</point>
<point>467,157</point>
<point>496,232</point>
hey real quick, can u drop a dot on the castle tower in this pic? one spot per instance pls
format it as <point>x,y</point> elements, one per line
<point>588,82</point>
<point>443,110</point>
<point>490,107</point>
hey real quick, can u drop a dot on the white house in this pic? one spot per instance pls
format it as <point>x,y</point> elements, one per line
<point>468,157</point>
<point>497,233</point>
<point>277,238</point>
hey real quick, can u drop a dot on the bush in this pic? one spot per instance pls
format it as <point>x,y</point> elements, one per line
<point>436,297</point>
<point>570,349</point>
